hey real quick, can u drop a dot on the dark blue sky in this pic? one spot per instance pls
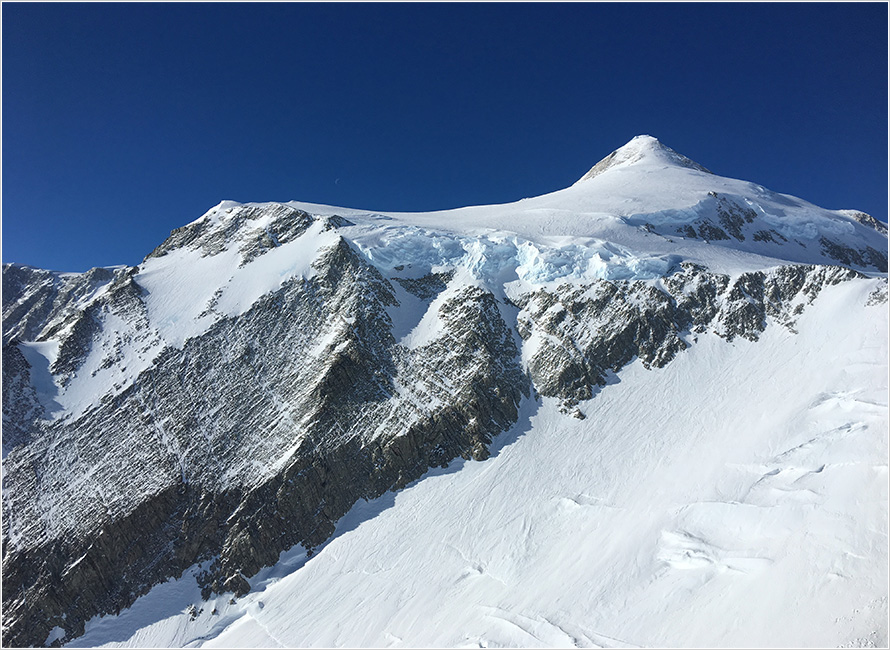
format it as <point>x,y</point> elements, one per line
<point>124,121</point>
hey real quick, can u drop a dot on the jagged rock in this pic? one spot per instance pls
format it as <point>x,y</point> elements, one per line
<point>313,421</point>
<point>867,220</point>
<point>733,216</point>
<point>21,407</point>
<point>844,254</point>
<point>770,235</point>
<point>709,232</point>
<point>584,332</point>
<point>579,334</point>
<point>38,303</point>
<point>428,286</point>
<point>878,296</point>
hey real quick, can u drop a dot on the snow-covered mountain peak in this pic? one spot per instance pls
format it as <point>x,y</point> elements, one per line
<point>636,213</point>
<point>642,149</point>
<point>271,371</point>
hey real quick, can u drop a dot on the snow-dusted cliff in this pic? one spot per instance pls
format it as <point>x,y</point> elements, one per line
<point>270,366</point>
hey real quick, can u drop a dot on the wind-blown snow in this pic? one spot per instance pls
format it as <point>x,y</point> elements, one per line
<point>744,507</point>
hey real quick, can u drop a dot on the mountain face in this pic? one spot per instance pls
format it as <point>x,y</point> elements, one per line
<point>269,366</point>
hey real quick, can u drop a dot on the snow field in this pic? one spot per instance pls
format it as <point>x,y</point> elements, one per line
<point>184,304</point>
<point>736,497</point>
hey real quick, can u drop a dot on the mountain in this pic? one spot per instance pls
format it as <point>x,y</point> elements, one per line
<point>676,382</point>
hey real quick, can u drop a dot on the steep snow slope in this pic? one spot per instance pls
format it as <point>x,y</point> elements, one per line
<point>736,497</point>
<point>269,366</point>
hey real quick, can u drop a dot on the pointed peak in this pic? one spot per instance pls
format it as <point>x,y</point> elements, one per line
<point>642,142</point>
<point>642,148</point>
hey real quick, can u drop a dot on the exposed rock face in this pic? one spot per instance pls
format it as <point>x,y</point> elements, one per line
<point>276,227</point>
<point>867,219</point>
<point>844,254</point>
<point>580,334</point>
<point>725,218</point>
<point>428,286</point>
<point>263,429</point>
<point>258,435</point>
<point>587,331</point>
<point>38,303</point>
<point>732,219</point>
<point>22,410</point>
<point>879,295</point>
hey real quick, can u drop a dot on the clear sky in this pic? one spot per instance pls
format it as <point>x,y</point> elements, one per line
<point>124,121</point>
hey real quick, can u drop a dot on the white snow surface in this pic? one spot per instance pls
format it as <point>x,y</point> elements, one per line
<point>596,227</point>
<point>736,497</point>
<point>188,291</point>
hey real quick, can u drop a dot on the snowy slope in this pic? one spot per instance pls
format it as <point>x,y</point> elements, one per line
<point>737,497</point>
<point>676,383</point>
<point>637,205</point>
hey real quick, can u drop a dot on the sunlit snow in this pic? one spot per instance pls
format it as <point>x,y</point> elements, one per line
<point>731,498</point>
